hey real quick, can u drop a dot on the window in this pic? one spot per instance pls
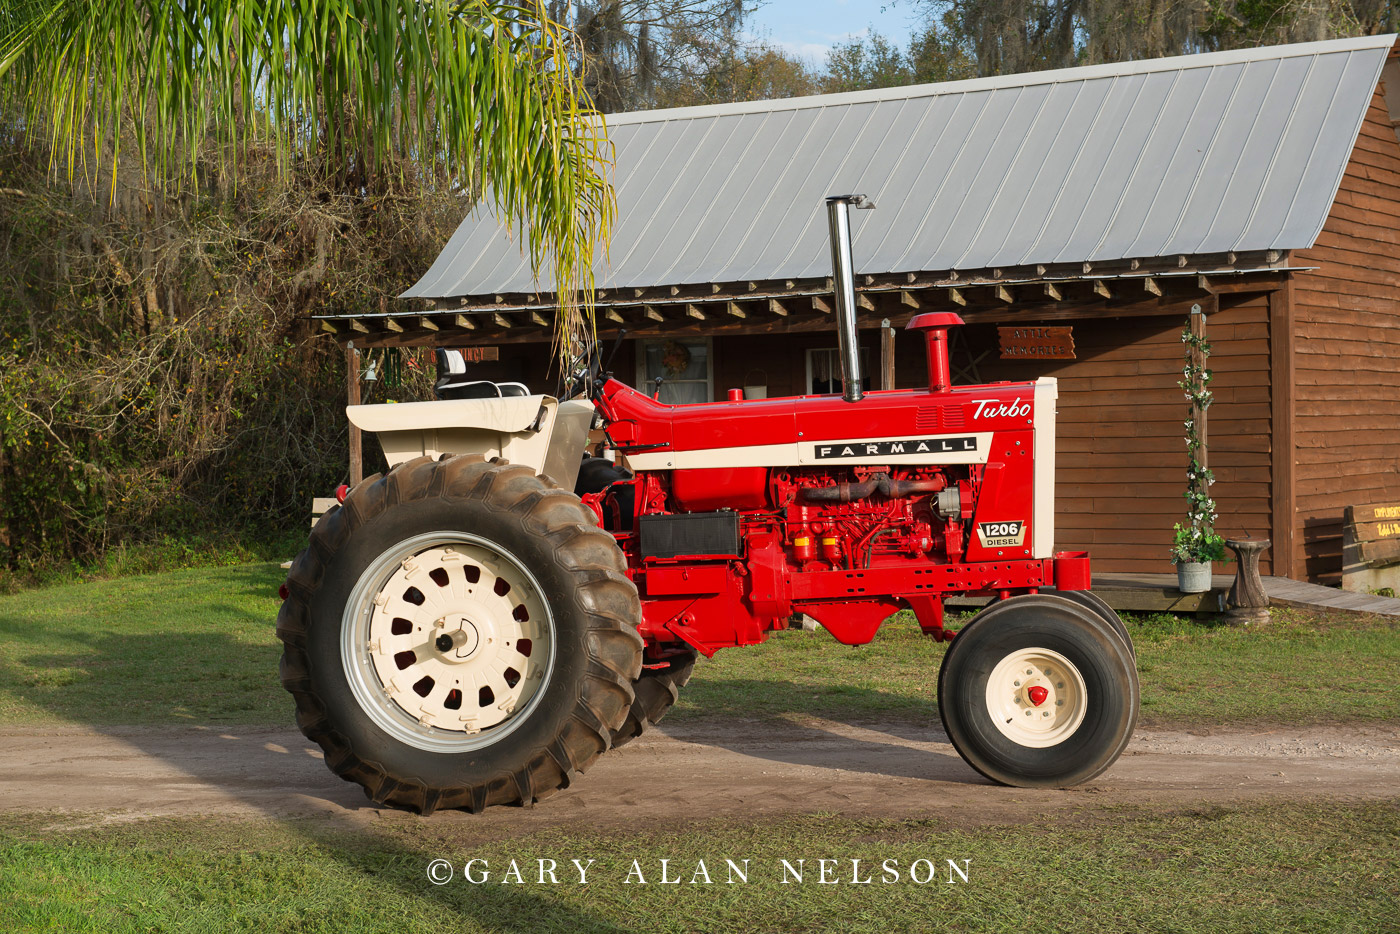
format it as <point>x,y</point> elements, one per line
<point>683,364</point>
<point>824,370</point>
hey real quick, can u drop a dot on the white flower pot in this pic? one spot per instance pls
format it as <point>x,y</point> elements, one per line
<point>1193,577</point>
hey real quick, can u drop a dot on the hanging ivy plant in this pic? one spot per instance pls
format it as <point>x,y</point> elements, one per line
<point>1196,541</point>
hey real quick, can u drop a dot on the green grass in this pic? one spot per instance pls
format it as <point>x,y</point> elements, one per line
<point>1284,867</point>
<point>167,553</point>
<point>191,646</point>
<point>198,646</point>
<point>1302,668</point>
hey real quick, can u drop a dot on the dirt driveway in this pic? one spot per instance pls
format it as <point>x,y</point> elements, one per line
<point>727,771</point>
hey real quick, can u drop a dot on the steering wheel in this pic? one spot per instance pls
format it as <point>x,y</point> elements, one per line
<point>583,372</point>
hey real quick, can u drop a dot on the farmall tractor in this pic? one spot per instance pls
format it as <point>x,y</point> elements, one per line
<point>482,622</point>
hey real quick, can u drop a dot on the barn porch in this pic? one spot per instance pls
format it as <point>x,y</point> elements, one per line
<point>1125,324</point>
<point>1103,200</point>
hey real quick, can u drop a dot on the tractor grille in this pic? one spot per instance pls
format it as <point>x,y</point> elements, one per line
<point>940,418</point>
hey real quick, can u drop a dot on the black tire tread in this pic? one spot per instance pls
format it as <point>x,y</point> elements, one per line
<point>1100,606</point>
<point>655,693</point>
<point>604,592</point>
<point>1091,618</point>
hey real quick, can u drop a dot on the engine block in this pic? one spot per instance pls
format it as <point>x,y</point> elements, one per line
<point>737,515</point>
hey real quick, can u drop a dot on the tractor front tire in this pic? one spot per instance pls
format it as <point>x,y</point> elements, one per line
<point>656,691</point>
<point>1100,606</point>
<point>1039,691</point>
<point>460,634</point>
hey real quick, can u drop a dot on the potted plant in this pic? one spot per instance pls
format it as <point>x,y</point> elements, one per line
<point>1193,550</point>
<point>1196,543</point>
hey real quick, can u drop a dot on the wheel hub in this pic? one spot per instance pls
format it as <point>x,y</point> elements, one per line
<point>451,637</point>
<point>1036,697</point>
<point>460,637</point>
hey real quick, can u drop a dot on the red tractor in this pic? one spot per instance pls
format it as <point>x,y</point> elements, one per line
<point>479,624</point>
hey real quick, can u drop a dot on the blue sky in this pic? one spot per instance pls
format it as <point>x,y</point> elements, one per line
<point>810,27</point>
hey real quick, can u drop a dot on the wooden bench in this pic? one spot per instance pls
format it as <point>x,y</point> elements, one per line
<point>319,507</point>
<point>1371,547</point>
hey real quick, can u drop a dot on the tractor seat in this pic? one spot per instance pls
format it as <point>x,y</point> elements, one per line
<point>453,383</point>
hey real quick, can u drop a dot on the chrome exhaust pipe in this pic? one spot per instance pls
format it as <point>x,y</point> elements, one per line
<point>838,216</point>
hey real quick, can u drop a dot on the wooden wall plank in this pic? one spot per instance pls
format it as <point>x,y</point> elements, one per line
<point>1121,455</point>
<point>1346,409</point>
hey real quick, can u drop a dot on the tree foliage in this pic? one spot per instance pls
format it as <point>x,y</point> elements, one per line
<point>635,54</point>
<point>873,61</point>
<point>157,374</point>
<point>184,182</point>
<point>481,94</point>
<point>1010,36</point>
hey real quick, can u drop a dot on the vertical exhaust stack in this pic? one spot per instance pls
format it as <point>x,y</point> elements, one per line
<point>838,216</point>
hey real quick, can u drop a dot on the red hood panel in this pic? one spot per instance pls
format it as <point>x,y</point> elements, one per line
<point>639,421</point>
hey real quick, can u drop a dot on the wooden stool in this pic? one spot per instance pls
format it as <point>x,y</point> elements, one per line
<point>1247,601</point>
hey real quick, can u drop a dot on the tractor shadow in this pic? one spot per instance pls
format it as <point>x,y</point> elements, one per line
<point>189,758</point>
<point>850,729</point>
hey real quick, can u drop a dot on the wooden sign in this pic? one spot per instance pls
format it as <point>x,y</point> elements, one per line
<point>1034,343</point>
<point>479,354</point>
<point>1375,529</point>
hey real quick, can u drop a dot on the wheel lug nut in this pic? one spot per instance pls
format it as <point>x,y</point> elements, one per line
<point>1017,683</point>
<point>1030,671</point>
<point>1060,685</point>
<point>1045,714</point>
<point>1059,703</point>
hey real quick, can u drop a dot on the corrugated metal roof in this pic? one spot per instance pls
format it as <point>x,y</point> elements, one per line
<point>1231,151</point>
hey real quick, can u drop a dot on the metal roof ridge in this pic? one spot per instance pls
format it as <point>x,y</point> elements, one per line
<point>1021,79</point>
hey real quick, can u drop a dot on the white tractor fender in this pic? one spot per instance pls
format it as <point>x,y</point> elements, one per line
<point>538,431</point>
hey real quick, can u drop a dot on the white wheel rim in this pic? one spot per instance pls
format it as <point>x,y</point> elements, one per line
<point>447,642</point>
<point>1036,697</point>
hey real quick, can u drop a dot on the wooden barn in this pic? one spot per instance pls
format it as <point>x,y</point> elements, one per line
<point>1259,187</point>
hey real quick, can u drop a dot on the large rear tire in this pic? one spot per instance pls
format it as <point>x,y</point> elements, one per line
<point>1039,691</point>
<point>655,693</point>
<point>460,634</point>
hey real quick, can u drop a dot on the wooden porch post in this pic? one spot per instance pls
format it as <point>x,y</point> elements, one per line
<point>886,355</point>
<point>1198,414</point>
<point>352,396</point>
<point>1283,455</point>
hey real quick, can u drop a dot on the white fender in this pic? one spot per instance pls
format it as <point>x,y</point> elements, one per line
<point>538,431</point>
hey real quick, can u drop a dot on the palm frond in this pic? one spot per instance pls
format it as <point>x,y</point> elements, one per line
<point>479,91</point>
